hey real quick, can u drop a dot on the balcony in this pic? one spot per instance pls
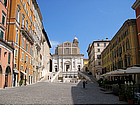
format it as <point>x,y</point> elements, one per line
<point>27,34</point>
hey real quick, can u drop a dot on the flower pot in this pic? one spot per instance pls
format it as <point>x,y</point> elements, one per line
<point>130,101</point>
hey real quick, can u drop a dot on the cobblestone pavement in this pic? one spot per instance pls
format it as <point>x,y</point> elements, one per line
<point>45,93</point>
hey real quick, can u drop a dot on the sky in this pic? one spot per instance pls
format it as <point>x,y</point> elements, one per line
<point>88,20</point>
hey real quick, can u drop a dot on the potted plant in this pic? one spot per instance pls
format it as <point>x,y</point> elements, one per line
<point>20,82</point>
<point>122,93</point>
<point>130,96</point>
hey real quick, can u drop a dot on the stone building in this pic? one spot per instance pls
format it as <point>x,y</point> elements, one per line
<point>95,61</point>
<point>67,61</point>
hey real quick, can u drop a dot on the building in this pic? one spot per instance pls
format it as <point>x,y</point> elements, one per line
<point>67,61</point>
<point>46,56</point>
<point>20,26</point>
<point>25,32</point>
<point>6,50</point>
<point>136,7</point>
<point>94,52</point>
<point>123,51</point>
<point>85,65</point>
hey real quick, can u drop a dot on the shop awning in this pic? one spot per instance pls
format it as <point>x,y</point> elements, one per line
<point>133,70</point>
<point>23,72</point>
<point>16,71</point>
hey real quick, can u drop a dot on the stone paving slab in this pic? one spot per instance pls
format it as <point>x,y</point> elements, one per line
<point>44,93</point>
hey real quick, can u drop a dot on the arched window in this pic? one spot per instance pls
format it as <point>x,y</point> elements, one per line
<point>79,67</point>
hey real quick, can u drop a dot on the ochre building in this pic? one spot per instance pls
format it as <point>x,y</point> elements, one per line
<point>123,51</point>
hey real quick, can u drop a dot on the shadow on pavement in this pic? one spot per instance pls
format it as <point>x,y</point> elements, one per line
<point>92,95</point>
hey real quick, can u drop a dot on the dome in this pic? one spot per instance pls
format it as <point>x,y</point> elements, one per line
<point>75,40</point>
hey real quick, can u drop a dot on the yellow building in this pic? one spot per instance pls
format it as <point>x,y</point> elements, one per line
<point>85,68</point>
<point>20,33</point>
<point>122,52</point>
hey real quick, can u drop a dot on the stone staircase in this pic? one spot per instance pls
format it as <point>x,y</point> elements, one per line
<point>88,77</point>
<point>55,76</point>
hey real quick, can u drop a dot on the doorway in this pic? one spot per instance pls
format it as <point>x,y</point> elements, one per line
<point>67,67</point>
<point>8,77</point>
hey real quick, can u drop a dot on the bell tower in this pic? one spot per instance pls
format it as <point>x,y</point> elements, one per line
<point>76,42</point>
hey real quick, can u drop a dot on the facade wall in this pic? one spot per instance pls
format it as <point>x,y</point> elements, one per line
<point>6,51</point>
<point>67,61</point>
<point>94,52</point>
<point>136,7</point>
<point>122,51</point>
<point>25,23</point>
<point>3,18</point>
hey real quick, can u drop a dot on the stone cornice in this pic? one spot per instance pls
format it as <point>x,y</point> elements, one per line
<point>136,4</point>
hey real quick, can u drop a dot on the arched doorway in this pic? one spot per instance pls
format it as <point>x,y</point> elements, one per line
<point>8,77</point>
<point>67,66</point>
<point>0,77</point>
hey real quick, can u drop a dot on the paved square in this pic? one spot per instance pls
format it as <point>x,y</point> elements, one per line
<point>44,93</point>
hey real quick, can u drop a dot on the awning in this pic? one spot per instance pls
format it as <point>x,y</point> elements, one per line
<point>16,71</point>
<point>133,70</point>
<point>23,72</point>
<point>118,72</point>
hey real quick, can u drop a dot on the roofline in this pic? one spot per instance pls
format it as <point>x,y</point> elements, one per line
<point>136,4</point>
<point>46,36</point>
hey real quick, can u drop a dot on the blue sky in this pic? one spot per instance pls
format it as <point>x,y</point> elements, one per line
<point>88,20</point>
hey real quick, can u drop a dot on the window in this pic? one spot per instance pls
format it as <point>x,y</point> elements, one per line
<point>18,14</point>
<point>27,47</point>
<point>104,44</point>
<point>23,17</point>
<point>3,18</point>
<point>26,59</point>
<point>0,53</point>
<point>22,56</point>
<point>98,44</point>
<point>56,69</point>
<point>17,35</point>
<point>9,58</point>
<point>5,3</point>
<point>127,45</point>
<point>99,63</point>
<point>23,42</point>
<point>98,56</point>
<point>16,52</point>
<point>1,34</point>
<point>67,51</point>
<point>98,50</point>
<point>26,25</point>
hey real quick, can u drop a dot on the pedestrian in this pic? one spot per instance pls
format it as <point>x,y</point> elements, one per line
<point>84,84</point>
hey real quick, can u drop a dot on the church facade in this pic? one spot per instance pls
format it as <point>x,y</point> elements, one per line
<point>67,61</point>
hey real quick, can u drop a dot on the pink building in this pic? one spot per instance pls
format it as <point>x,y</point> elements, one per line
<point>6,50</point>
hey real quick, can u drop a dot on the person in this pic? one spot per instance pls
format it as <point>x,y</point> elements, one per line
<point>84,84</point>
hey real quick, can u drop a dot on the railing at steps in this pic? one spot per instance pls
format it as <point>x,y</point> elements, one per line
<point>56,75</point>
<point>85,76</point>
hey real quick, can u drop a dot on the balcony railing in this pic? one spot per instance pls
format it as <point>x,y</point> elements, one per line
<point>27,34</point>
